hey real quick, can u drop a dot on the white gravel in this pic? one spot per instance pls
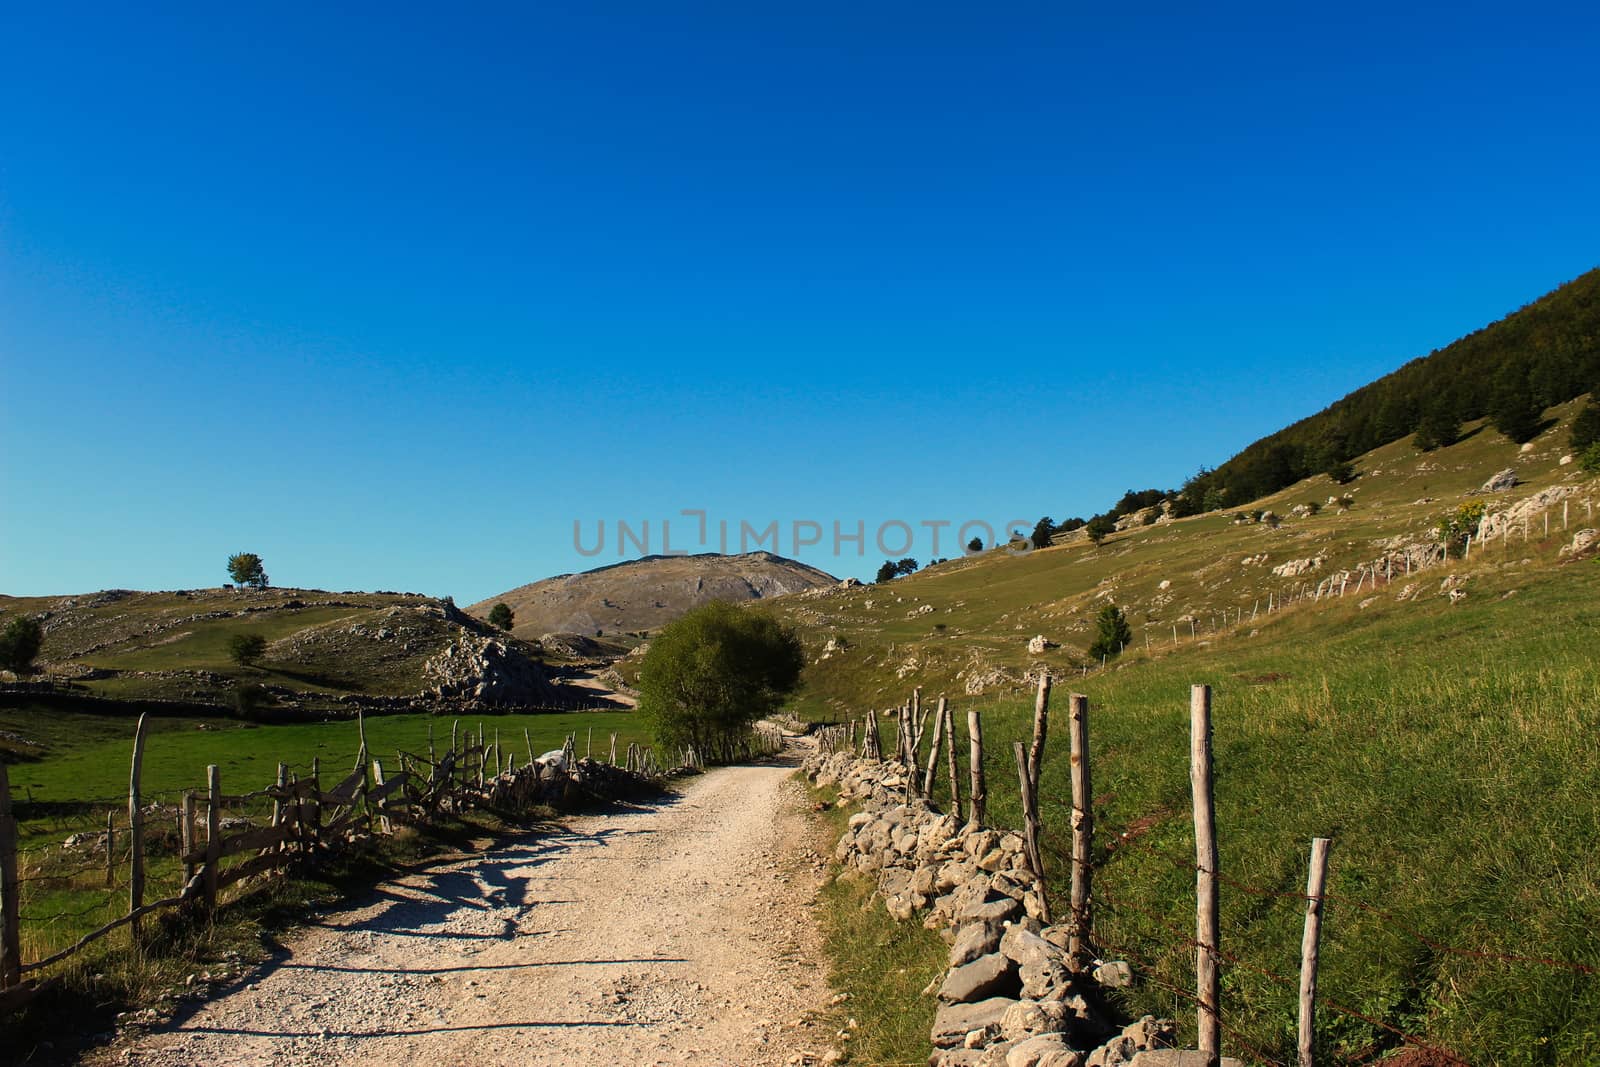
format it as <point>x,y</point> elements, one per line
<point>674,933</point>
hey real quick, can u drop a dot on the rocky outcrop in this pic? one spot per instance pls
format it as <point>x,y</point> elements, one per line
<point>1296,567</point>
<point>1582,541</point>
<point>488,671</point>
<point>1010,997</point>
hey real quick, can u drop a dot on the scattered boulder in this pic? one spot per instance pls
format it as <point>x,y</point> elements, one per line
<point>1582,541</point>
<point>1506,479</point>
<point>1039,644</point>
<point>953,1022</point>
<point>1296,567</point>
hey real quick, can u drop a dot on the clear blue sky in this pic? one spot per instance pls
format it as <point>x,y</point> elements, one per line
<point>393,298</point>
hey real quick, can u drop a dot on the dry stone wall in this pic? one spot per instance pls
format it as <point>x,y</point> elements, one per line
<point>1010,996</point>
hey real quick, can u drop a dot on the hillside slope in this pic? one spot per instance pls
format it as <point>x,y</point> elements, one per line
<point>1427,722</point>
<point>324,650</point>
<point>648,593</point>
<point>1548,351</point>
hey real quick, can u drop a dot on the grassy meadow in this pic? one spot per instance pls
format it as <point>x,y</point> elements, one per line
<point>1446,748</point>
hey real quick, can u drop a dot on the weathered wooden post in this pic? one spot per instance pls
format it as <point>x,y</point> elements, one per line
<point>1316,879</point>
<point>186,837</point>
<point>136,829</point>
<point>1205,852</point>
<point>1041,724</point>
<point>384,825</point>
<point>278,805</point>
<point>977,812</point>
<point>588,745</point>
<point>933,751</point>
<point>314,836</point>
<point>1082,831</point>
<point>613,748</point>
<point>952,761</point>
<point>361,732</point>
<point>213,834</point>
<point>111,849</point>
<point>10,906</point>
<point>1030,826</point>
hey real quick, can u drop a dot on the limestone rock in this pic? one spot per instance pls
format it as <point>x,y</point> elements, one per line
<point>1582,541</point>
<point>953,1022</point>
<point>972,941</point>
<point>1114,974</point>
<point>1172,1057</point>
<point>1506,479</point>
<point>1044,1050</point>
<point>1038,644</point>
<point>984,977</point>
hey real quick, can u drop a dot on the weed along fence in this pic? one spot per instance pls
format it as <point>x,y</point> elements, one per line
<point>60,896</point>
<point>967,874</point>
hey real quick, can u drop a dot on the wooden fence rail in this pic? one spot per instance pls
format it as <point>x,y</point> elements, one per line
<point>307,823</point>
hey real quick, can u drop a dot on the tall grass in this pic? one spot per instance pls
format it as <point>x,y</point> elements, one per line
<point>1447,750</point>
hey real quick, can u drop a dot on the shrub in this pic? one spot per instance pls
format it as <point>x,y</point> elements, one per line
<point>1454,529</point>
<point>975,545</point>
<point>1590,460</point>
<point>245,649</point>
<point>1111,633</point>
<point>501,615</point>
<point>712,673</point>
<point>19,643</point>
<point>1100,527</point>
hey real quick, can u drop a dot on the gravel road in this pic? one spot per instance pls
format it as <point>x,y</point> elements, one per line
<point>676,932</point>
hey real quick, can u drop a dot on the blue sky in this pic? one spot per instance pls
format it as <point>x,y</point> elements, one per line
<point>394,298</point>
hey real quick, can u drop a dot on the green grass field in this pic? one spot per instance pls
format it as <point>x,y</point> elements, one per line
<point>77,772</point>
<point>1446,748</point>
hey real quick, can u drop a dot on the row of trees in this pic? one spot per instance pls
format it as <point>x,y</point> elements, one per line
<point>1509,372</point>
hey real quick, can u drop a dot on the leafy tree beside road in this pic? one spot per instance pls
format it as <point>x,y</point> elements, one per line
<point>710,675</point>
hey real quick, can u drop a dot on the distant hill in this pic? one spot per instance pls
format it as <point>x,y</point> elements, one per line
<point>648,593</point>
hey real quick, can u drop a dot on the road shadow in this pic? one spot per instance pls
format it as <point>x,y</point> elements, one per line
<point>499,895</point>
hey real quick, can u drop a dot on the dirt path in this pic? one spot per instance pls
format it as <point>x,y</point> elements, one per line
<point>674,933</point>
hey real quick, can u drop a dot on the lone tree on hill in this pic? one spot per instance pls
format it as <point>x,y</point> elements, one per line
<point>502,616</point>
<point>246,569</point>
<point>19,644</point>
<point>905,566</point>
<point>245,649</point>
<point>887,572</point>
<point>1042,531</point>
<point>975,545</point>
<point>1111,633</point>
<point>710,675</point>
<point>1100,527</point>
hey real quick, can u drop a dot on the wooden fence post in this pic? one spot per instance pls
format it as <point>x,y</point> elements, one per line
<point>280,807</point>
<point>952,762</point>
<point>1082,831</point>
<point>933,752</point>
<point>1205,852</point>
<point>111,849</point>
<point>977,811</point>
<point>1041,724</point>
<point>213,834</point>
<point>384,825</point>
<point>136,828</point>
<point>186,837</point>
<point>10,911</point>
<point>314,831</point>
<point>1316,879</point>
<point>1030,825</point>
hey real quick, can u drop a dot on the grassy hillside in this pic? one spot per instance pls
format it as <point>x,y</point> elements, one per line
<point>174,645</point>
<point>1439,743</point>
